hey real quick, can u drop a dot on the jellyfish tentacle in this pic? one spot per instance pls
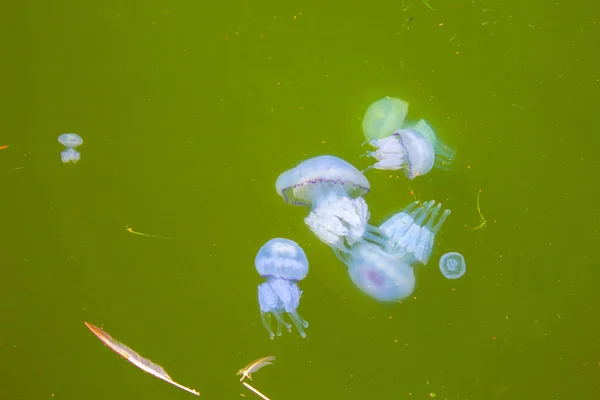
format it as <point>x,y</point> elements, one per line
<point>435,229</point>
<point>403,226</point>
<point>371,237</point>
<point>266,321</point>
<point>341,255</point>
<point>299,323</point>
<point>412,231</point>
<point>279,317</point>
<point>444,155</point>
<point>418,238</point>
<point>432,215</point>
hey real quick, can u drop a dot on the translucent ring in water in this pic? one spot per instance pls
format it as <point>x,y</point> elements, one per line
<point>453,265</point>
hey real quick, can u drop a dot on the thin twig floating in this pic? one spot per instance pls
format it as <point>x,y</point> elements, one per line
<point>255,366</point>
<point>428,6</point>
<point>137,360</point>
<point>145,234</point>
<point>255,391</point>
<point>483,222</point>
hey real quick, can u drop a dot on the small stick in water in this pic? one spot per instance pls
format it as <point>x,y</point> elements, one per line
<point>483,221</point>
<point>145,234</point>
<point>133,357</point>
<point>256,391</point>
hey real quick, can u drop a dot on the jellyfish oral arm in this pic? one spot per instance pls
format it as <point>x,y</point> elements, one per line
<point>390,154</point>
<point>339,220</point>
<point>412,231</point>
<point>70,155</point>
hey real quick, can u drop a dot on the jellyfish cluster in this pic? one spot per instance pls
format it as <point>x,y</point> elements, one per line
<point>381,259</point>
<point>412,147</point>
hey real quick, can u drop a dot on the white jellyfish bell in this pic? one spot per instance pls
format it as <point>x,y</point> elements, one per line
<point>333,188</point>
<point>443,154</point>
<point>381,275</point>
<point>453,265</point>
<point>71,141</point>
<point>384,117</point>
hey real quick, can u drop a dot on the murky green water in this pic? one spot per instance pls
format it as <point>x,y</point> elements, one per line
<point>190,110</point>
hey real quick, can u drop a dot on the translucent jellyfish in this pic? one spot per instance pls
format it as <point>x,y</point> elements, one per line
<point>333,188</point>
<point>70,141</point>
<point>453,265</point>
<point>283,263</point>
<point>405,149</point>
<point>384,117</point>
<point>443,154</point>
<point>282,258</point>
<point>412,231</point>
<point>379,274</point>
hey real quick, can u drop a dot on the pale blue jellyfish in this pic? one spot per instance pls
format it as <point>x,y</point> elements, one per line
<point>70,141</point>
<point>412,231</point>
<point>384,117</point>
<point>453,265</point>
<point>283,263</point>
<point>443,154</point>
<point>334,189</point>
<point>405,149</point>
<point>379,274</point>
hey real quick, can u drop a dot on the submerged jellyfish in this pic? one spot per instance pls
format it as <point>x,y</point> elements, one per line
<point>453,265</point>
<point>70,141</point>
<point>443,154</point>
<point>283,263</point>
<point>412,231</point>
<point>405,149</point>
<point>383,117</point>
<point>379,274</point>
<point>333,188</point>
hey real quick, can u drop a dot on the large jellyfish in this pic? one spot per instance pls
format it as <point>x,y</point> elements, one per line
<point>414,148</point>
<point>384,117</point>
<point>70,141</point>
<point>412,231</point>
<point>381,275</point>
<point>283,263</point>
<point>405,149</point>
<point>333,188</point>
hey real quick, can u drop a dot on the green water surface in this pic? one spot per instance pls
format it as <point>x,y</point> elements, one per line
<point>189,111</point>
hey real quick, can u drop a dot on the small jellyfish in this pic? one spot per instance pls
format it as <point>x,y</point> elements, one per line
<point>379,274</point>
<point>443,154</point>
<point>70,141</point>
<point>412,231</point>
<point>453,265</point>
<point>405,149</point>
<point>383,117</point>
<point>283,263</point>
<point>334,189</point>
